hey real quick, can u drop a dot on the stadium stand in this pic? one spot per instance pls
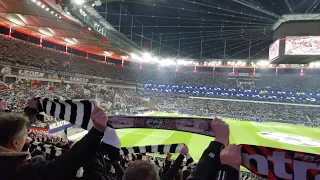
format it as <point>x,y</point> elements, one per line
<point>18,52</point>
<point>259,102</point>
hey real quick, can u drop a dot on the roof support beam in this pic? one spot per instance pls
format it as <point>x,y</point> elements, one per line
<point>256,7</point>
<point>288,5</point>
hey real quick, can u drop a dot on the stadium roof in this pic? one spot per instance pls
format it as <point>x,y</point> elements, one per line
<point>179,29</point>
<point>41,20</point>
<point>202,25</point>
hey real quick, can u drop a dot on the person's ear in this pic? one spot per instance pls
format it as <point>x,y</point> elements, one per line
<point>15,144</point>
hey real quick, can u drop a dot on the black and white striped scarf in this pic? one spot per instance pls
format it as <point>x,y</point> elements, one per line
<point>51,151</point>
<point>159,149</point>
<point>124,151</point>
<point>77,112</point>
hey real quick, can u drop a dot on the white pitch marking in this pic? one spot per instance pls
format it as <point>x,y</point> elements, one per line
<point>301,146</point>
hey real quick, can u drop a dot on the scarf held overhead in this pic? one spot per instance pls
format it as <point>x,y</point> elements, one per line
<point>77,112</point>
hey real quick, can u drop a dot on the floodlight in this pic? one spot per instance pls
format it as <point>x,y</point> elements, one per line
<point>34,0</point>
<point>108,53</point>
<point>47,9</point>
<point>124,57</point>
<point>262,63</point>
<point>147,57</point>
<point>155,59</point>
<point>38,3</point>
<point>167,62</point>
<point>135,57</point>
<point>181,62</point>
<point>79,2</point>
<point>43,6</point>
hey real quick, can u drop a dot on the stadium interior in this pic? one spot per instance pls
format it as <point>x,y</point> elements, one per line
<point>161,71</point>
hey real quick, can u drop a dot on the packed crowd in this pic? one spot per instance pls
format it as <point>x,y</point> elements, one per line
<point>18,52</point>
<point>128,101</point>
<point>91,158</point>
<point>293,114</point>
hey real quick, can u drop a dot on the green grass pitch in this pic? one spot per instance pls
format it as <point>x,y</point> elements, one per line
<point>242,132</point>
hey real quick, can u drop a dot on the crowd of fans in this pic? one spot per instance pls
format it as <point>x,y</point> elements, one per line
<point>18,52</point>
<point>92,159</point>
<point>129,101</point>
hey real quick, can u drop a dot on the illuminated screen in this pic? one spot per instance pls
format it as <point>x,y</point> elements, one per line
<point>302,45</point>
<point>274,50</point>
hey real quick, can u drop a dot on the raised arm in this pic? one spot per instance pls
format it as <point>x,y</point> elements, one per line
<point>209,162</point>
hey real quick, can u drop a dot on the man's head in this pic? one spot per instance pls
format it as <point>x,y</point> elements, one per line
<point>13,131</point>
<point>141,170</point>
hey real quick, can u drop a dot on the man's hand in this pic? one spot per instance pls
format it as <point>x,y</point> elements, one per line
<point>32,103</point>
<point>184,150</point>
<point>169,155</point>
<point>99,119</point>
<point>3,105</point>
<point>231,155</point>
<point>221,130</point>
<point>28,140</point>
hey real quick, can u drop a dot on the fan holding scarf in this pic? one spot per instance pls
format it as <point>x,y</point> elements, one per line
<point>16,164</point>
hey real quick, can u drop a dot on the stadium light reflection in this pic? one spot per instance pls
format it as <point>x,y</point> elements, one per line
<point>167,62</point>
<point>146,57</point>
<point>79,2</point>
<point>262,63</point>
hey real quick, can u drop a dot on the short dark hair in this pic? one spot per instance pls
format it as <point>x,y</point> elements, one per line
<point>141,170</point>
<point>11,125</point>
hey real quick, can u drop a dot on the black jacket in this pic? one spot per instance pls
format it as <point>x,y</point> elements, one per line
<point>209,163</point>
<point>170,174</point>
<point>227,172</point>
<point>14,165</point>
<point>94,168</point>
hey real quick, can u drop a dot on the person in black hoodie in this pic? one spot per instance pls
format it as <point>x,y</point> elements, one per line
<point>16,165</point>
<point>209,164</point>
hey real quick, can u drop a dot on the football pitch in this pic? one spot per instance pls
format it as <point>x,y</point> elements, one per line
<point>284,136</point>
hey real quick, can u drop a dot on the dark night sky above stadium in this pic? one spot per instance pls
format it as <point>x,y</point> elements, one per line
<point>210,21</point>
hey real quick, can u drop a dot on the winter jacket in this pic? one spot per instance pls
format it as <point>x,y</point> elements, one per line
<point>227,172</point>
<point>16,166</point>
<point>209,163</point>
<point>94,168</point>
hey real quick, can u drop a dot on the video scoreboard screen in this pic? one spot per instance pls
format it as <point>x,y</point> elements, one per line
<point>302,45</point>
<point>274,50</point>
